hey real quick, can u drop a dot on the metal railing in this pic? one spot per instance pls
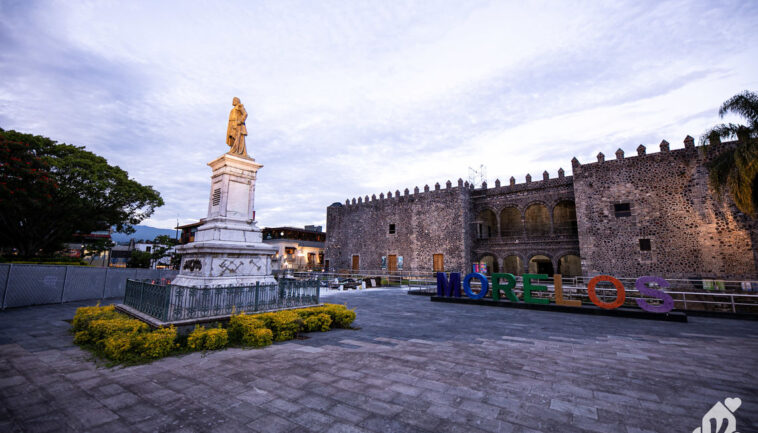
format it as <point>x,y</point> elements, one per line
<point>170,303</point>
<point>685,296</point>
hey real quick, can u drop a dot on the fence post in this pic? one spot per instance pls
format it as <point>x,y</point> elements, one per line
<point>65,280</point>
<point>7,280</point>
<point>105,282</point>
<point>684,300</point>
<point>731,298</point>
<point>257,291</point>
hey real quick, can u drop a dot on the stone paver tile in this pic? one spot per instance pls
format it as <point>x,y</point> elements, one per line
<point>272,424</point>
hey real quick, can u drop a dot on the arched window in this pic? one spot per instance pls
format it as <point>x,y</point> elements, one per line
<point>486,224</point>
<point>564,218</point>
<point>513,265</point>
<point>510,222</point>
<point>537,220</point>
<point>570,266</point>
<point>490,262</point>
<point>541,265</point>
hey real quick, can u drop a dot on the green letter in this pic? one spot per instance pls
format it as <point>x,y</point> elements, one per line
<point>497,287</point>
<point>529,288</point>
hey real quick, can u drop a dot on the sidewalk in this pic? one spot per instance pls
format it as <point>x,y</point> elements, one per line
<point>413,365</point>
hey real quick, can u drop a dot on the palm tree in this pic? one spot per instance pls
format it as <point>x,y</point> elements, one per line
<point>735,168</point>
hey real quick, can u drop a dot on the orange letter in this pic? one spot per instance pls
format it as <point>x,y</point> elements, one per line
<point>620,293</point>
<point>558,282</point>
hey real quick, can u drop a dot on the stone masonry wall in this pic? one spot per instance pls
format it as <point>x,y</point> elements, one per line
<point>554,244</point>
<point>426,223</point>
<point>692,235</point>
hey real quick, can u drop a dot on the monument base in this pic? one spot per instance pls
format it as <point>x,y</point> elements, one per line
<point>228,249</point>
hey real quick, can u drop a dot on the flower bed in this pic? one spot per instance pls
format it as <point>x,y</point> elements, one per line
<point>123,340</point>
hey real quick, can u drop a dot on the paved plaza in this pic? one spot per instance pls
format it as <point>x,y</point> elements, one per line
<point>411,365</point>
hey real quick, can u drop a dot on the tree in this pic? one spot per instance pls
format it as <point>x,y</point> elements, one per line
<point>93,248</point>
<point>139,259</point>
<point>735,169</point>
<point>162,246</point>
<point>50,192</point>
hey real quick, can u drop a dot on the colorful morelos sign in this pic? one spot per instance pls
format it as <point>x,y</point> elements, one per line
<point>452,287</point>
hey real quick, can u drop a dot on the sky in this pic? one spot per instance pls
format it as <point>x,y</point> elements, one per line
<point>354,98</point>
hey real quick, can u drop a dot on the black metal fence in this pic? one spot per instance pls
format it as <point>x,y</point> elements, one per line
<point>31,284</point>
<point>170,303</point>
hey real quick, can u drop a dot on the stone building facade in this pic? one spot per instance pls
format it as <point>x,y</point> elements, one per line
<point>650,214</point>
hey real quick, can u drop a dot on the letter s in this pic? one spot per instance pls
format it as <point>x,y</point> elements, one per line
<point>641,286</point>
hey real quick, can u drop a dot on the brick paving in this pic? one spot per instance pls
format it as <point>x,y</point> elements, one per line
<point>413,365</point>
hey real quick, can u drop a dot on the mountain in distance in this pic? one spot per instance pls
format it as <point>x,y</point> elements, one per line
<point>146,233</point>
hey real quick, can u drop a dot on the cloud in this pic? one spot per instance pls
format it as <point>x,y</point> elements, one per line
<point>360,98</point>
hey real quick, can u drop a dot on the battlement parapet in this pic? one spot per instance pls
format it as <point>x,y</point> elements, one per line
<point>665,151</point>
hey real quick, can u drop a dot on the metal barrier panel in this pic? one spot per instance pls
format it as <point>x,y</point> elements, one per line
<point>34,285</point>
<point>4,270</point>
<point>115,281</point>
<point>83,283</point>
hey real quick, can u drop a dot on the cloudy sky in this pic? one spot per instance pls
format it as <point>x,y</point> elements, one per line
<point>353,98</point>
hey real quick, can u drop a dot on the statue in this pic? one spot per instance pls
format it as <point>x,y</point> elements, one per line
<point>236,131</point>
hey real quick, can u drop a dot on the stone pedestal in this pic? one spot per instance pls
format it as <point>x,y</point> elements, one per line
<point>228,248</point>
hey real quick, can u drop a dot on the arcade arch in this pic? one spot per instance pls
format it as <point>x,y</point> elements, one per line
<point>570,265</point>
<point>510,222</point>
<point>564,217</point>
<point>513,265</point>
<point>537,220</point>
<point>486,224</point>
<point>540,264</point>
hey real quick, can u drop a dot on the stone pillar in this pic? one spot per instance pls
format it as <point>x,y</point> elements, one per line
<point>228,247</point>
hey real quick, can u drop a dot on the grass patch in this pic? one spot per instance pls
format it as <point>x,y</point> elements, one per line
<point>120,339</point>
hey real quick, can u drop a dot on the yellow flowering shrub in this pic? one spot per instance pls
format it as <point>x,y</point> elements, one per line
<point>123,339</point>
<point>100,329</point>
<point>84,315</point>
<point>156,344</point>
<point>341,316</point>
<point>318,322</point>
<point>258,337</point>
<point>283,324</point>
<point>242,325</point>
<point>207,339</point>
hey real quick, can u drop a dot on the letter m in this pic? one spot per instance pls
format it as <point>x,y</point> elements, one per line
<point>450,287</point>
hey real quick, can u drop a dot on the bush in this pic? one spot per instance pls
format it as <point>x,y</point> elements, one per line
<point>156,344</point>
<point>283,324</point>
<point>84,315</point>
<point>258,337</point>
<point>341,316</point>
<point>319,322</point>
<point>100,329</point>
<point>242,326</point>
<point>137,347</point>
<point>126,340</point>
<point>207,339</point>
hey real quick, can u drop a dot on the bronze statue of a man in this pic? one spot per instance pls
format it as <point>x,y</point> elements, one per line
<point>236,131</point>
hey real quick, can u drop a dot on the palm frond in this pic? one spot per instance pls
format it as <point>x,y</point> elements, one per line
<point>745,104</point>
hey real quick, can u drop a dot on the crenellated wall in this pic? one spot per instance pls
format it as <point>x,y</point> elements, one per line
<point>428,222</point>
<point>520,232</point>
<point>692,234</point>
<point>567,224</point>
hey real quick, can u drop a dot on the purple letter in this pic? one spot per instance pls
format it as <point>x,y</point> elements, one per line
<point>641,286</point>
<point>447,288</point>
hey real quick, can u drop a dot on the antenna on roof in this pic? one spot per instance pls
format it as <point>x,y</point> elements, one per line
<point>477,177</point>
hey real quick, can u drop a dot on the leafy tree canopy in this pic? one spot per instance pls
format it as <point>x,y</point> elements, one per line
<point>735,169</point>
<point>51,191</point>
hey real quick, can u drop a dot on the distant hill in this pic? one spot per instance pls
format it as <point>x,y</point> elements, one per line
<point>142,232</point>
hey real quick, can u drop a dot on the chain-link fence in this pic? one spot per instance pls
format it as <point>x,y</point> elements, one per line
<point>22,285</point>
